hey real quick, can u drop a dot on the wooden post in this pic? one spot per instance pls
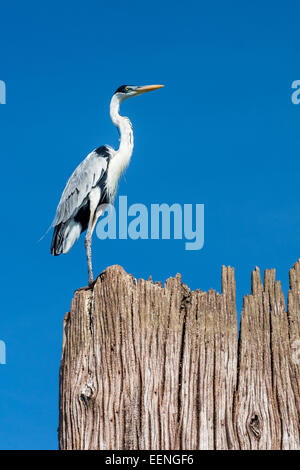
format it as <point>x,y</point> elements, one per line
<point>151,367</point>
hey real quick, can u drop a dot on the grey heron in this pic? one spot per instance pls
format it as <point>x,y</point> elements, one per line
<point>93,185</point>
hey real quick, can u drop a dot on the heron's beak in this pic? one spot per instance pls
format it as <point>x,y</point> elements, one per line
<point>145,89</point>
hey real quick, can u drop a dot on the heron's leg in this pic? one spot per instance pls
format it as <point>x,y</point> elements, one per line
<point>98,214</point>
<point>94,199</point>
<point>88,249</point>
<point>94,223</point>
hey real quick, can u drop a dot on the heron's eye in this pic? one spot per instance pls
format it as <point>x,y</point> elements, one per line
<point>127,88</point>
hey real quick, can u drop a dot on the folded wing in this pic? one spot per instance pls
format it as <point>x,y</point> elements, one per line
<point>86,176</point>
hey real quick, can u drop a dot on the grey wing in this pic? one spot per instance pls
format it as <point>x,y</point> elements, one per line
<point>79,185</point>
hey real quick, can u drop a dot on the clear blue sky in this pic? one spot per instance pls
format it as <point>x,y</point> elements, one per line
<point>222,132</point>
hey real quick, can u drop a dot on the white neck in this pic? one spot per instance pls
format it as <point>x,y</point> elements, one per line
<point>121,157</point>
<point>125,127</point>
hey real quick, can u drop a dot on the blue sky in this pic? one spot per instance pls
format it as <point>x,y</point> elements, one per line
<point>223,132</point>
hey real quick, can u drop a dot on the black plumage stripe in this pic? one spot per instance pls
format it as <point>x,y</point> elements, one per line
<point>58,239</point>
<point>83,216</point>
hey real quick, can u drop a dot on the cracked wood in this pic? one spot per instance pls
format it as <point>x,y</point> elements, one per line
<point>151,367</point>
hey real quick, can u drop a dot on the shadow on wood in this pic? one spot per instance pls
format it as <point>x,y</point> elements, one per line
<point>151,367</point>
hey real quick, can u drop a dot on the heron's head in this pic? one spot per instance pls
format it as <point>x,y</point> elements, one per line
<point>127,91</point>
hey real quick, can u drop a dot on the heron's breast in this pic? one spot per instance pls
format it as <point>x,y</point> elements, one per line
<point>116,167</point>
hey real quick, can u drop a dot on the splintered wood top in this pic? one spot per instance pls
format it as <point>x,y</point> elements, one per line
<point>146,366</point>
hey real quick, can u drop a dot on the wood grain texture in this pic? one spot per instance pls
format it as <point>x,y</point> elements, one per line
<point>146,366</point>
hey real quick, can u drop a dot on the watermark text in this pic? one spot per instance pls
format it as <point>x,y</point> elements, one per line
<point>2,92</point>
<point>2,352</point>
<point>157,222</point>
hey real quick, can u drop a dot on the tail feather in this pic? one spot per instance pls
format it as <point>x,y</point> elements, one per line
<point>64,236</point>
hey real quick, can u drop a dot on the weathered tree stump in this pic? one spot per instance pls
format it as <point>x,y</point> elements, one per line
<point>151,367</point>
